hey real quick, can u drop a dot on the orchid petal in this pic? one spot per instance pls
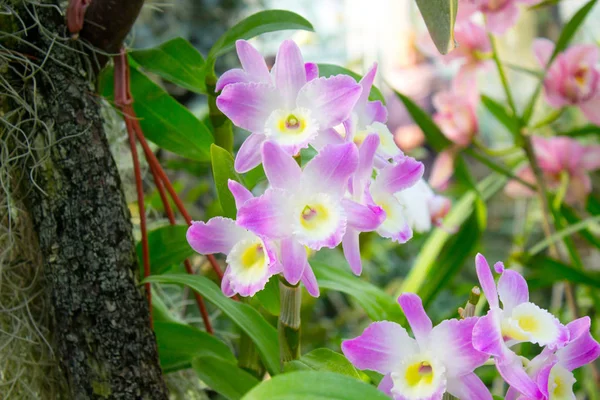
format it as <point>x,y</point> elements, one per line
<point>239,192</point>
<point>267,215</point>
<point>590,161</point>
<point>226,284</point>
<point>582,349</point>
<point>543,48</point>
<point>499,22</point>
<point>590,110</point>
<point>380,347</point>
<point>281,169</point>
<point>230,77</point>
<point>512,290</point>
<point>528,322</point>
<point>330,100</point>
<point>400,176</point>
<point>249,154</point>
<point>486,279</point>
<point>249,266</point>
<point>293,258</point>
<point>487,334</point>
<point>442,170</point>
<point>326,137</point>
<point>421,326</point>
<point>218,235</point>
<point>468,386</point>
<point>248,105</point>
<point>386,385</point>
<point>252,62</point>
<point>452,342</point>
<point>514,374</point>
<point>351,248</point>
<point>364,170</point>
<point>363,218</point>
<point>329,171</point>
<point>289,72</point>
<point>375,111</point>
<point>312,71</point>
<point>310,281</point>
<point>516,189</point>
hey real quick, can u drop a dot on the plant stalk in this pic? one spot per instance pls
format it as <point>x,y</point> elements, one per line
<point>222,127</point>
<point>288,325</point>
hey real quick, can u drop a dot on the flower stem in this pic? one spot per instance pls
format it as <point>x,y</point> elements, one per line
<point>288,326</point>
<point>503,79</point>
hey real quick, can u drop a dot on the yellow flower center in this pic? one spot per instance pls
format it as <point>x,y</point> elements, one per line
<point>313,216</point>
<point>528,323</point>
<point>253,257</point>
<point>581,75</point>
<point>560,389</point>
<point>420,373</point>
<point>292,124</point>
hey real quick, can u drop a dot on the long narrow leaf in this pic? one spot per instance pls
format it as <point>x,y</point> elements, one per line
<point>224,377</point>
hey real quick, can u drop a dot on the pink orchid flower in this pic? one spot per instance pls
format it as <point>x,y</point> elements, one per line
<point>500,14</point>
<point>424,208</point>
<point>552,370</point>
<point>517,321</point>
<point>286,107</point>
<point>573,78</point>
<point>438,360</point>
<point>473,51</point>
<point>457,118</point>
<point>556,156</point>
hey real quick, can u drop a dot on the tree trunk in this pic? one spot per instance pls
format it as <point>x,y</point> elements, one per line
<point>101,320</point>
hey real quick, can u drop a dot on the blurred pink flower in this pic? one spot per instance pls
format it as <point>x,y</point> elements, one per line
<point>474,51</point>
<point>456,116</point>
<point>556,156</point>
<point>573,78</point>
<point>500,14</point>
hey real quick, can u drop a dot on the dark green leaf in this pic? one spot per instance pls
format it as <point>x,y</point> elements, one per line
<point>583,131</point>
<point>432,132</point>
<point>257,24</point>
<point>163,120</point>
<point>246,317</point>
<point>323,360</point>
<point>223,170</point>
<point>176,61</point>
<point>571,27</point>
<point>545,271</point>
<point>168,246</point>
<point>269,297</point>
<point>501,114</point>
<point>327,70</point>
<point>377,304</point>
<point>439,16</point>
<point>160,311</point>
<point>314,385</point>
<point>179,344</point>
<point>224,377</point>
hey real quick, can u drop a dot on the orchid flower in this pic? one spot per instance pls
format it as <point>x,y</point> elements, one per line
<point>438,360</point>
<point>500,14</point>
<point>573,78</point>
<point>552,370</point>
<point>304,207</point>
<point>254,68</point>
<point>457,118</point>
<point>557,156</point>
<point>251,259</point>
<point>424,208</point>
<point>288,110</point>
<point>517,321</point>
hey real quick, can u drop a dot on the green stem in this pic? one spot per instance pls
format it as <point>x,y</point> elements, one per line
<point>288,326</point>
<point>471,306</point>
<point>496,152</point>
<point>222,127</point>
<point>548,119</point>
<point>497,167</point>
<point>503,79</point>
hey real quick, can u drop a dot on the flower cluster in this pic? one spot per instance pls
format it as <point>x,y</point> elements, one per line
<point>442,359</point>
<point>359,180</point>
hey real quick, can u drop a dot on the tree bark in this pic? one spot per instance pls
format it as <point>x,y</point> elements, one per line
<point>101,319</point>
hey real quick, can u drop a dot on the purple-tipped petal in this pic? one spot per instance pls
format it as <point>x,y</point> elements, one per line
<point>330,100</point>
<point>252,62</point>
<point>249,155</point>
<point>364,170</point>
<point>582,349</point>
<point>351,248</point>
<point>469,387</point>
<point>289,72</point>
<point>230,77</point>
<point>514,374</point>
<point>487,334</point>
<point>400,176</point>
<point>380,348</point>
<point>386,385</point>
<point>310,281</point>
<point>486,280</point>
<point>239,192</point>
<point>499,267</point>
<point>282,171</point>
<point>512,289</point>
<point>293,258</point>
<point>375,111</point>
<point>218,235</point>
<point>363,218</point>
<point>312,71</point>
<point>329,171</point>
<point>412,306</point>
<point>326,137</point>
<point>267,215</point>
<point>366,83</point>
<point>452,342</point>
<point>226,287</point>
<point>248,105</point>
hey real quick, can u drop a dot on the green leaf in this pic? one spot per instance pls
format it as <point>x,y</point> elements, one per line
<point>439,16</point>
<point>501,114</point>
<point>224,377</point>
<point>269,297</point>
<point>573,219</point>
<point>176,61</point>
<point>583,131</point>
<point>568,231</point>
<point>168,245</point>
<point>314,385</point>
<point>223,170</point>
<point>432,132</point>
<point>160,311</point>
<point>257,24</point>
<point>462,173</point>
<point>571,28</point>
<point>323,360</point>
<point>327,70</point>
<point>545,271</point>
<point>178,344</point>
<point>246,317</point>
<point>164,121</point>
<point>377,304</point>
